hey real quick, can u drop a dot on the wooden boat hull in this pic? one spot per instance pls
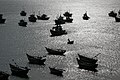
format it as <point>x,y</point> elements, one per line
<point>86,18</point>
<point>22,24</point>
<point>86,59</point>
<point>56,71</point>
<point>18,71</point>
<point>23,13</point>
<point>42,18</point>
<point>2,21</point>
<point>57,33</point>
<point>4,76</point>
<point>32,19</point>
<point>55,52</point>
<point>35,60</point>
<point>69,20</point>
<point>57,22</point>
<point>70,42</point>
<point>112,14</point>
<point>117,19</point>
<point>86,64</point>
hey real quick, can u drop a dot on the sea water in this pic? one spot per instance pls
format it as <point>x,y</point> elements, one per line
<point>99,34</point>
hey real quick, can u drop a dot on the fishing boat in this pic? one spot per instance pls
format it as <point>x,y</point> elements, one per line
<point>117,19</point>
<point>22,23</point>
<point>42,17</point>
<point>70,42</point>
<point>68,20</point>
<point>57,31</point>
<point>2,21</point>
<point>32,18</point>
<point>55,71</point>
<point>19,70</point>
<point>23,13</point>
<point>59,20</point>
<point>3,75</point>
<point>36,59</point>
<point>85,16</point>
<point>112,14</point>
<point>86,65</point>
<point>55,51</point>
<point>67,14</point>
<point>87,59</point>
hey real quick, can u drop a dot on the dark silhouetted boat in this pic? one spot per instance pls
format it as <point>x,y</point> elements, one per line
<point>3,75</point>
<point>22,23</point>
<point>2,21</point>
<point>36,59</point>
<point>86,65</point>
<point>18,70</point>
<point>68,20</point>
<point>43,17</point>
<point>86,59</point>
<point>57,31</point>
<point>23,13</point>
<point>55,71</point>
<point>112,14</point>
<point>67,14</point>
<point>59,20</point>
<point>32,18</point>
<point>119,12</point>
<point>85,16</point>
<point>55,51</point>
<point>117,19</point>
<point>70,42</point>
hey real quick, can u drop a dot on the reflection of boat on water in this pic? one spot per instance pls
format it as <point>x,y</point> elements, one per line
<point>22,23</point>
<point>32,18</point>
<point>112,14</point>
<point>57,31</point>
<point>3,75</point>
<point>85,16</point>
<point>55,71</point>
<point>36,59</point>
<point>43,17</point>
<point>23,13</point>
<point>86,59</point>
<point>2,21</point>
<point>18,70</point>
<point>55,51</point>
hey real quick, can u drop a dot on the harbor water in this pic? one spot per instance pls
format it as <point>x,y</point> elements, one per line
<point>99,34</point>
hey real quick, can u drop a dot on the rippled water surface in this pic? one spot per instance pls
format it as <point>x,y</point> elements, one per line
<point>100,34</point>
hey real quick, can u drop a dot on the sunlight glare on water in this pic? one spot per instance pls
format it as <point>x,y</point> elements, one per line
<point>100,34</point>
